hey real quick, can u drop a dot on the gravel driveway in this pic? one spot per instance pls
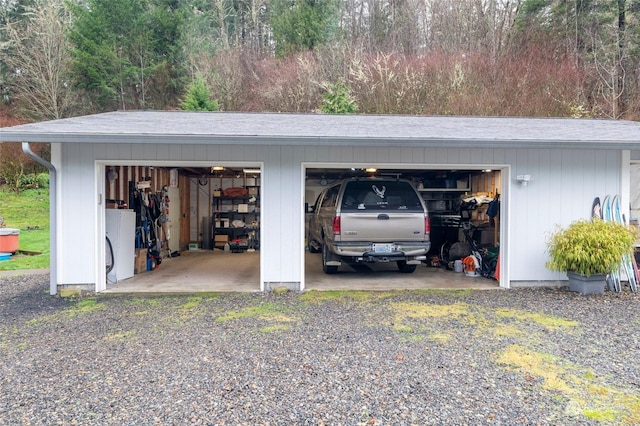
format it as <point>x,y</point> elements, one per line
<point>318,358</point>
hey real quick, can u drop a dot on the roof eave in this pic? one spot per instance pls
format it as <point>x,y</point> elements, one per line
<point>9,136</point>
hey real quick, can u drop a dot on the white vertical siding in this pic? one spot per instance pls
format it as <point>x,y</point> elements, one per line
<point>564,184</point>
<point>563,187</point>
<point>77,222</point>
<point>281,206</point>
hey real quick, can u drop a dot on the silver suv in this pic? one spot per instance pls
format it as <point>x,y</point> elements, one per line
<point>370,220</point>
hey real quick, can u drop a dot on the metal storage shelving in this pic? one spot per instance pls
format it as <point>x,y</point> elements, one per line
<point>226,211</point>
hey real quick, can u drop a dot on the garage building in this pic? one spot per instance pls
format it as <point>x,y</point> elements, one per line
<point>546,171</point>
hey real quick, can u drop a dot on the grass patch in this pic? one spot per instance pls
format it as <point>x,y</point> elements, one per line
<point>27,211</point>
<point>411,312</point>
<point>441,337</point>
<point>274,328</point>
<point>267,311</point>
<point>587,394</point>
<point>402,328</point>
<point>413,337</point>
<point>427,310</point>
<point>455,292</point>
<point>604,415</point>
<point>316,296</point>
<point>550,322</point>
<point>120,337</point>
<point>192,303</point>
<point>83,307</point>
<point>502,330</point>
<point>143,304</point>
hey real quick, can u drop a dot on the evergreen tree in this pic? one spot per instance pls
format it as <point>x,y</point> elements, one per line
<point>198,97</point>
<point>299,25</point>
<point>338,100</point>
<point>123,51</point>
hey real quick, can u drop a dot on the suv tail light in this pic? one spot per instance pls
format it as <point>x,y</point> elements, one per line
<point>336,225</point>
<point>427,225</point>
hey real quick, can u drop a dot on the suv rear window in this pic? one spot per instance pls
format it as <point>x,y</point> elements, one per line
<point>380,195</point>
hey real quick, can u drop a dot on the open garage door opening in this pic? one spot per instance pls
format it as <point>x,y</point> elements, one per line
<point>374,237</point>
<point>182,228</point>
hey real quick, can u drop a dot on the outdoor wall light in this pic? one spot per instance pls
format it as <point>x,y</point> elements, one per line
<point>523,179</point>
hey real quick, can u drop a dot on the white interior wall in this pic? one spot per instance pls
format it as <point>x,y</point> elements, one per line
<point>564,183</point>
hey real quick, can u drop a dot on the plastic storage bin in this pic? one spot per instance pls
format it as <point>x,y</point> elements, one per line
<point>9,240</point>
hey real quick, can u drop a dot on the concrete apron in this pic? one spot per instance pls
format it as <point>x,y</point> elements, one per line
<point>219,271</point>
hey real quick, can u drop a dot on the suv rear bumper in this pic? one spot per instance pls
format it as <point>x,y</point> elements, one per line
<point>412,252</point>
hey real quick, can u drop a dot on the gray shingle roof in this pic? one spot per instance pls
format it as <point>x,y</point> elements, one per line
<point>310,129</point>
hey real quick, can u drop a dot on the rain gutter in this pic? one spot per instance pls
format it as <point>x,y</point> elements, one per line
<point>53,256</point>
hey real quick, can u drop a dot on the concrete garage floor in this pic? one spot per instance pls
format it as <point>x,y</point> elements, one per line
<point>197,271</point>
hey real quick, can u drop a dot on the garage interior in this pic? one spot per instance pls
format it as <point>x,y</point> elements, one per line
<point>206,229</point>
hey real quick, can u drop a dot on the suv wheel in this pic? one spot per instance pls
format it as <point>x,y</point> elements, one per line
<point>404,268</point>
<point>328,269</point>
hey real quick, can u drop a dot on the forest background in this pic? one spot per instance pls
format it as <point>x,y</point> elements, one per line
<point>535,58</point>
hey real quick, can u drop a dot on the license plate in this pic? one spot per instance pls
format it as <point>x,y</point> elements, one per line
<point>383,248</point>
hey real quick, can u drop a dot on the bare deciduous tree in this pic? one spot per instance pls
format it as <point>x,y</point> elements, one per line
<point>37,55</point>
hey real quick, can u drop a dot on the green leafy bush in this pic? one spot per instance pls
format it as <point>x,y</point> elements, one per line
<point>590,247</point>
<point>31,181</point>
<point>42,180</point>
<point>26,181</point>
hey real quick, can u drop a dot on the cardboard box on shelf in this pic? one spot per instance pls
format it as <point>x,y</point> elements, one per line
<point>253,190</point>
<point>140,264</point>
<point>243,208</point>
<point>222,223</point>
<point>221,239</point>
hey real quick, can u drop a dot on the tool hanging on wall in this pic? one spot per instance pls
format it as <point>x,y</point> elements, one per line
<point>147,209</point>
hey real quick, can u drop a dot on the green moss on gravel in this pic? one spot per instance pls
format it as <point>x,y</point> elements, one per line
<point>586,393</point>
<point>274,328</point>
<point>83,307</point>
<point>316,296</point>
<point>550,322</point>
<point>266,311</point>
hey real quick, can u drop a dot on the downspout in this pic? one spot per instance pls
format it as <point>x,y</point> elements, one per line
<point>53,241</point>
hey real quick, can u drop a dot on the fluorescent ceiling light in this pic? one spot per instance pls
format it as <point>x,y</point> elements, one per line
<point>217,168</point>
<point>251,170</point>
<point>370,170</point>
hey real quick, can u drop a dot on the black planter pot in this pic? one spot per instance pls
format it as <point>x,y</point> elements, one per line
<point>594,284</point>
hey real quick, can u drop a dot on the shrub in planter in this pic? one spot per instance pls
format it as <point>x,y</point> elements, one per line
<point>590,247</point>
